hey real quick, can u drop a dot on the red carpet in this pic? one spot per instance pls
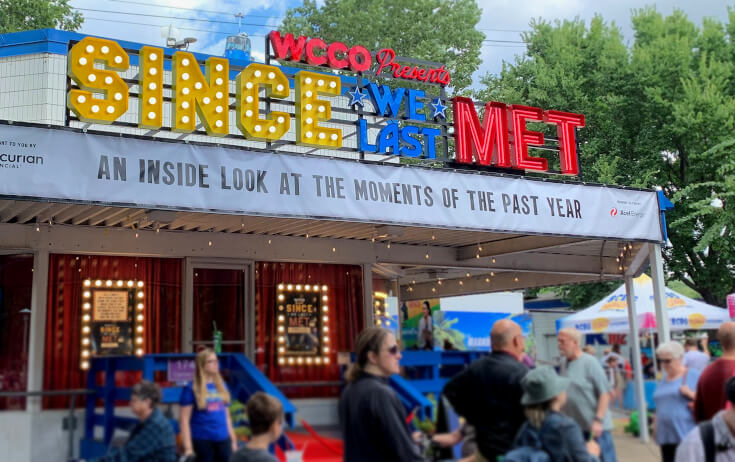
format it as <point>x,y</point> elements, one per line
<point>315,451</point>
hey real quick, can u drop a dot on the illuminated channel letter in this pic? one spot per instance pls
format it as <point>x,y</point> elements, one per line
<point>91,80</point>
<point>489,142</point>
<point>311,109</point>
<point>150,101</point>
<point>210,96</point>
<point>248,117</point>
<point>566,121</point>
<point>522,137</point>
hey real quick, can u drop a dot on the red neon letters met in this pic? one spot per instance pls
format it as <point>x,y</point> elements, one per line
<point>489,144</point>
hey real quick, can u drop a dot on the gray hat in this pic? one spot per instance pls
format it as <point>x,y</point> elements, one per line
<point>541,385</point>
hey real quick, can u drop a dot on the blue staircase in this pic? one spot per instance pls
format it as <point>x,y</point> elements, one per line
<point>426,373</point>
<point>243,379</point>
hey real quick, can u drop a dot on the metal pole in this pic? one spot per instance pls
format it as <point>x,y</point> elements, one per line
<point>659,293</point>
<point>367,295</point>
<point>72,424</point>
<point>637,366</point>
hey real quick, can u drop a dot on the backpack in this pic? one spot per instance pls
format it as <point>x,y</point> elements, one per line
<point>532,450</point>
<point>707,433</point>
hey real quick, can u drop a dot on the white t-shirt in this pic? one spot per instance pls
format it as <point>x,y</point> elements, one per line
<point>691,448</point>
<point>425,325</point>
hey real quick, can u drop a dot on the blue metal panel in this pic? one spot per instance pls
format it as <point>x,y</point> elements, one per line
<point>411,397</point>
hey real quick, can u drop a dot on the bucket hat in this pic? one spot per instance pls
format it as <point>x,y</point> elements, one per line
<point>541,385</point>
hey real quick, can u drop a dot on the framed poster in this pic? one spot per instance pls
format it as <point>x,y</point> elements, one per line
<point>302,324</point>
<point>112,319</point>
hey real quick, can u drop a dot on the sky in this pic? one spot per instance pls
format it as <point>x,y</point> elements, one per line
<point>210,22</point>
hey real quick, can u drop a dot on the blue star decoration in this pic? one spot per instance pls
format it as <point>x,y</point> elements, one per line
<point>357,97</point>
<point>439,109</point>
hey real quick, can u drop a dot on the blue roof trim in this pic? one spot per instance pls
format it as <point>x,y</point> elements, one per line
<point>664,204</point>
<point>545,304</point>
<point>57,42</point>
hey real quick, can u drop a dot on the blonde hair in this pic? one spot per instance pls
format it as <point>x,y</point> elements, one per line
<point>200,381</point>
<point>572,333</point>
<point>537,413</point>
<point>673,348</point>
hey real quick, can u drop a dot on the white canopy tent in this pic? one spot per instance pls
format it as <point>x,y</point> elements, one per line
<point>610,315</point>
<point>615,314</point>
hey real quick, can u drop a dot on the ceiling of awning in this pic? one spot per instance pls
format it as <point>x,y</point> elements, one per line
<point>483,261</point>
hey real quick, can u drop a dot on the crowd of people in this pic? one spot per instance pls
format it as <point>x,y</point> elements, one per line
<point>207,434</point>
<point>517,413</point>
<point>513,412</point>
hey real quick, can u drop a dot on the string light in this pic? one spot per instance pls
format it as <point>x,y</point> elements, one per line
<point>493,260</point>
<point>388,244</point>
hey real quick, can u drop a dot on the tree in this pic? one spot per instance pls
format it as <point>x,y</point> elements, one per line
<point>20,15</point>
<point>437,30</point>
<point>655,112</point>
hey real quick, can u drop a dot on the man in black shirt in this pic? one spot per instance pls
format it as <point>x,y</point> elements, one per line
<point>488,393</point>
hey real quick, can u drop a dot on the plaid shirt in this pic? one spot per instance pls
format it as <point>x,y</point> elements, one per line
<point>150,441</point>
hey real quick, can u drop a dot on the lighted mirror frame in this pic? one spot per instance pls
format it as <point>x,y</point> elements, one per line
<point>89,286</point>
<point>293,359</point>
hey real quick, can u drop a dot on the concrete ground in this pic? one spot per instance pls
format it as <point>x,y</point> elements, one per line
<point>629,447</point>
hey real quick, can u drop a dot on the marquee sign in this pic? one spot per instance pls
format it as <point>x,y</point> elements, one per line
<point>416,122</point>
<point>112,319</point>
<point>302,330</point>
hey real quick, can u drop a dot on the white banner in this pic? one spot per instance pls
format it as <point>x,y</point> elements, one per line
<point>67,166</point>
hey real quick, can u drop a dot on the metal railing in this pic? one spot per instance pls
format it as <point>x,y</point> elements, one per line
<point>44,393</point>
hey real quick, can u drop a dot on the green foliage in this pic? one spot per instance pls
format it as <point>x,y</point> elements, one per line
<point>20,15</point>
<point>583,295</point>
<point>437,30</point>
<point>443,331</point>
<point>660,113</point>
<point>239,418</point>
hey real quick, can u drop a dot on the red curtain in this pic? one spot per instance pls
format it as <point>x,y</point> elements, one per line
<point>16,283</point>
<point>219,298</point>
<point>162,279</point>
<point>345,321</point>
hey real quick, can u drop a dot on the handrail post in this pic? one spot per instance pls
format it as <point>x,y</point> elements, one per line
<point>72,424</point>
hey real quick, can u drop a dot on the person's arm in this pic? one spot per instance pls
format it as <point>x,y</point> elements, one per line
<point>446,440</point>
<point>459,391</point>
<point>602,404</point>
<point>699,402</point>
<point>231,430</point>
<point>602,387</point>
<point>184,418</point>
<point>395,435</point>
<point>579,450</point>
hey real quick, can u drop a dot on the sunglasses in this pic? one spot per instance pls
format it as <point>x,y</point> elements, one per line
<point>664,361</point>
<point>393,350</point>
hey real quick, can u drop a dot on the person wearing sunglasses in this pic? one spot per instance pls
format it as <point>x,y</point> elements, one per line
<point>372,418</point>
<point>674,393</point>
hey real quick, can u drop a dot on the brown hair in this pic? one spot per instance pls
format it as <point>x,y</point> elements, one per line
<point>370,339</point>
<point>147,390</point>
<point>200,381</point>
<point>691,342</point>
<point>726,336</point>
<point>263,409</point>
